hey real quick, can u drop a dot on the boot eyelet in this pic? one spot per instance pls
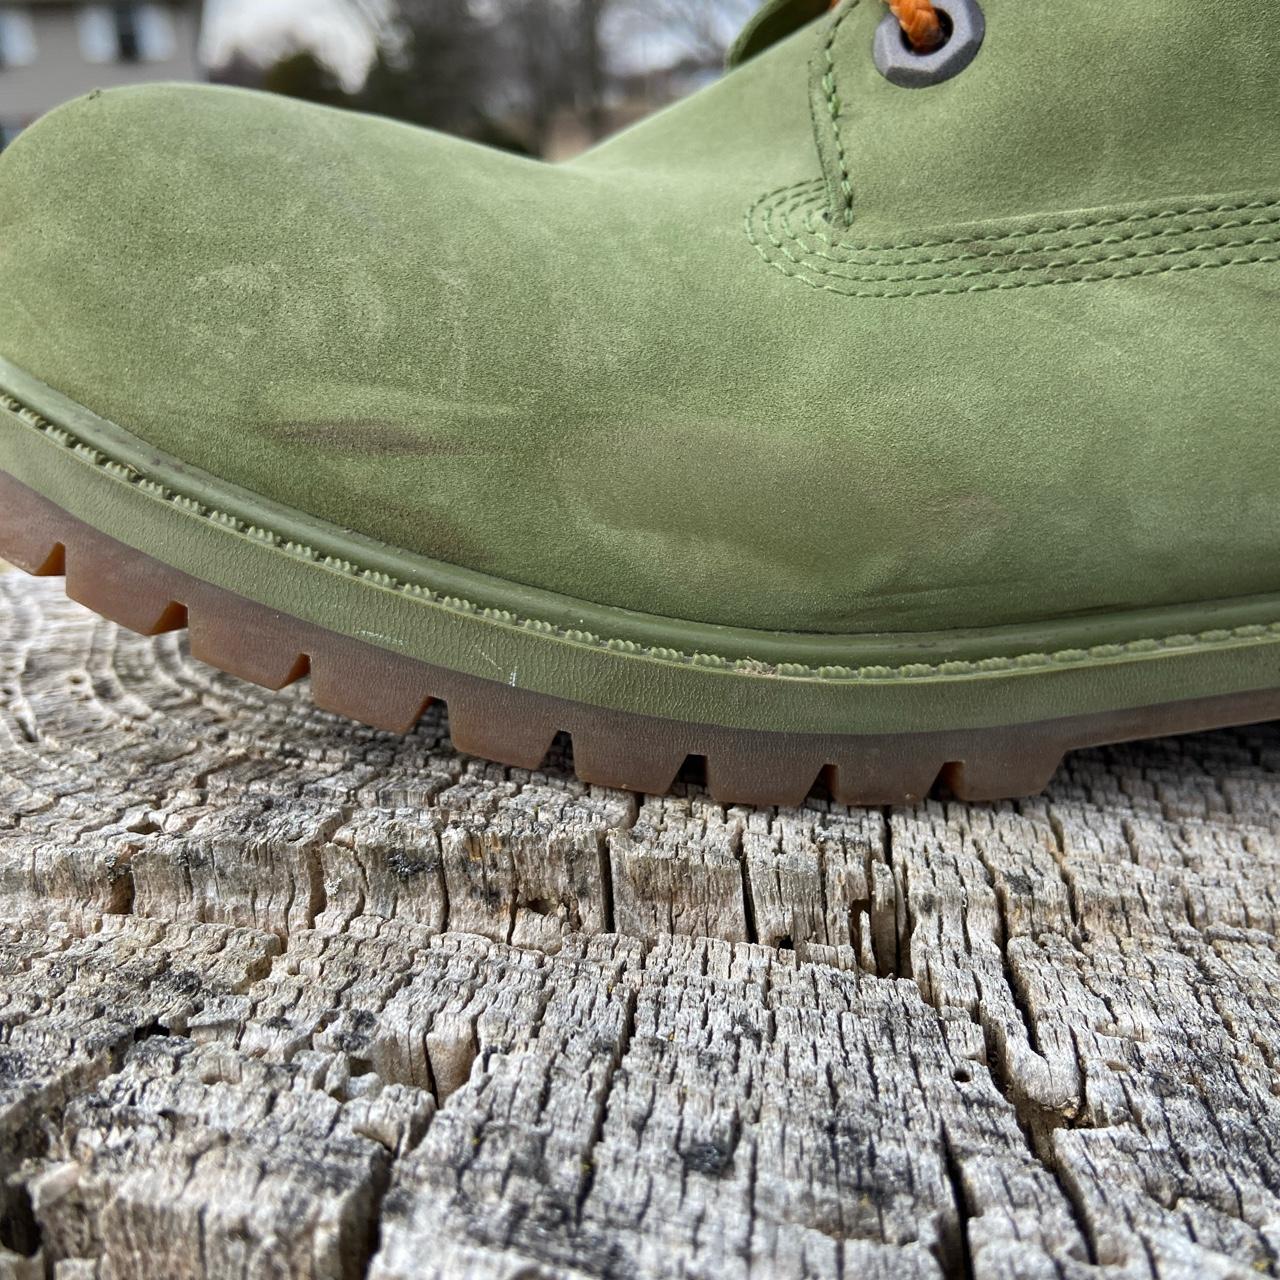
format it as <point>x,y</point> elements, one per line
<point>900,64</point>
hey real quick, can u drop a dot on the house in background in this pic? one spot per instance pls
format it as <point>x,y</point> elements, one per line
<point>51,50</point>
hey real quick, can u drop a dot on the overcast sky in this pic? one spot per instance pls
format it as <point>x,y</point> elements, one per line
<point>268,28</point>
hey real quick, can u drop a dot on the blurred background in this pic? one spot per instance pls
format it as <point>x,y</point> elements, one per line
<point>542,77</point>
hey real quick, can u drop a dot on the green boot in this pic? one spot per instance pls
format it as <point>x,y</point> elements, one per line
<point>875,414</point>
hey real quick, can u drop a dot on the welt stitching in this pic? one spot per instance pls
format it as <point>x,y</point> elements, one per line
<point>761,216</point>
<point>1032,267</point>
<point>805,260</point>
<point>795,274</point>
<point>770,201</point>
<point>857,254</point>
<point>1031,662</point>
<point>1097,243</point>
<point>856,258</point>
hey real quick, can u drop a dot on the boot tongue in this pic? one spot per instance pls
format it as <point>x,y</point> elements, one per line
<point>770,23</point>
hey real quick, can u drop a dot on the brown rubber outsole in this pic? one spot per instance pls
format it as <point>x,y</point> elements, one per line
<point>516,726</point>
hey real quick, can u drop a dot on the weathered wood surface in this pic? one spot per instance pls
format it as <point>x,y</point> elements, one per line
<point>282,996</point>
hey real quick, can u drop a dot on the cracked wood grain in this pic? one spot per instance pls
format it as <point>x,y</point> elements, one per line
<point>284,996</point>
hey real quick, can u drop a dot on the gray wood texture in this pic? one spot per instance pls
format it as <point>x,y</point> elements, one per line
<point>284,996</point>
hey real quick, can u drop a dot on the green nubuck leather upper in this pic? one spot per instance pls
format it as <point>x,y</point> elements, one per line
<point>808,351</point>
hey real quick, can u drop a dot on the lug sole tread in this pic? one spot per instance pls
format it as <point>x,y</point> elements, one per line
<point>517,727</point>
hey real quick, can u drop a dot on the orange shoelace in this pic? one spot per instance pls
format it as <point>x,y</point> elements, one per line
<point>919,21</point>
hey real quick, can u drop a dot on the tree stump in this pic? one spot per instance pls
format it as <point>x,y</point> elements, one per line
<point>286,996</point>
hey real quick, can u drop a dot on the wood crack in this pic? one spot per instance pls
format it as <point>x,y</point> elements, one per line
<point>955,1254</point>
<point>276,987</point>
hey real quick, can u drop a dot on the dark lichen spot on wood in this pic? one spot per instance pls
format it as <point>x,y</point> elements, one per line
<point>19,1230</point>
<point>714,1159</point>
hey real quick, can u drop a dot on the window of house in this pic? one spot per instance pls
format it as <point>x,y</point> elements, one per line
<point>17,38</point>
<point>128,41</point>
<point>127,33</point>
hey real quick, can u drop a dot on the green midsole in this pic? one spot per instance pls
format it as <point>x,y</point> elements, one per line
<point>804,683</point>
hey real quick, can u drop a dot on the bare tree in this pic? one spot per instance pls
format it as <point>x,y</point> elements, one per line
<point>694,32</point>
<point>464,64</point>
<point>493,68</point>
<point>538,36</point>
<point>434,64</point>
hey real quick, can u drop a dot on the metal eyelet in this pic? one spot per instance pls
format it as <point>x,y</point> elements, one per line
<point>901,65</point>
